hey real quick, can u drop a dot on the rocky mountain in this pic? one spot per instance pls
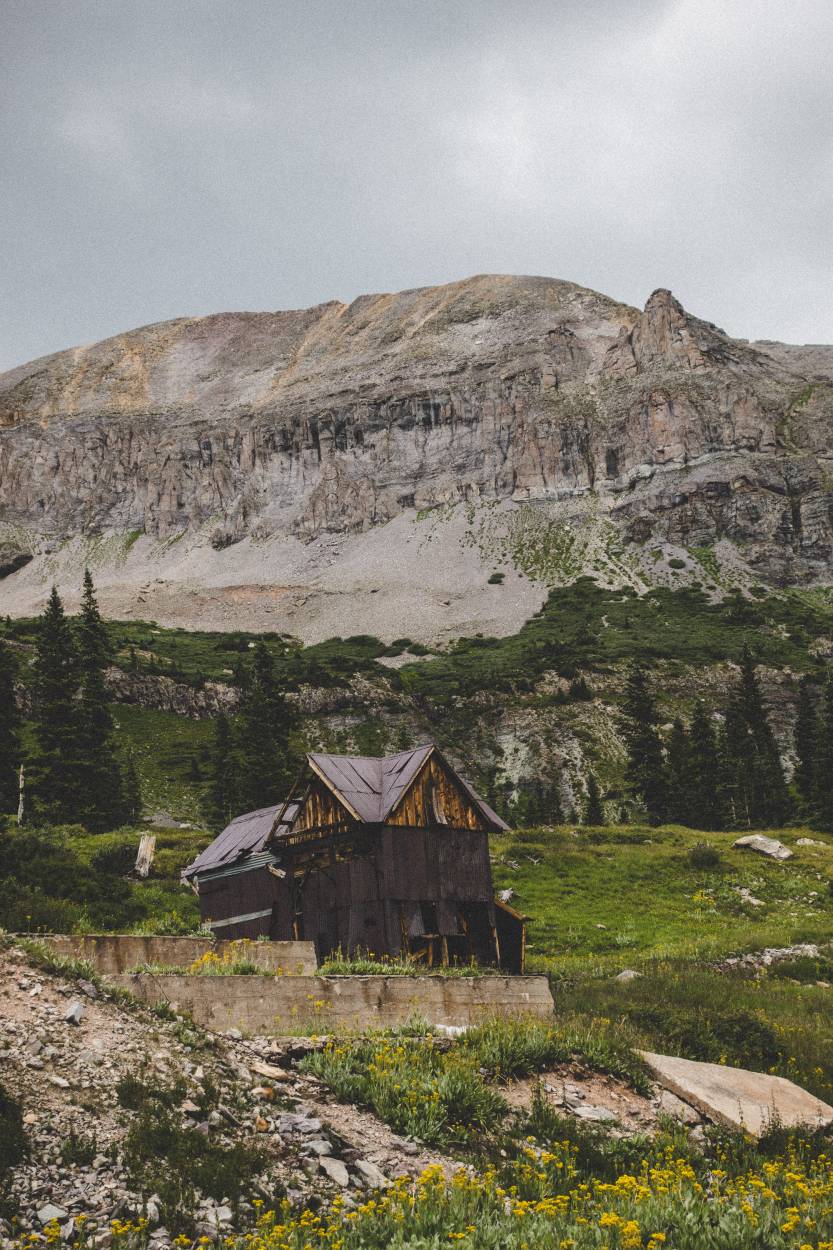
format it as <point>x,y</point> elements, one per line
<point>368,467</point>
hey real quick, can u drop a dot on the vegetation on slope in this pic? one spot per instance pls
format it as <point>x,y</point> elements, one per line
<point>618,894</point>
<point>65,880</point>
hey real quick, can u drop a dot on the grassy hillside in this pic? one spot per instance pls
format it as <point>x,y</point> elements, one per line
<point>66,880</point>
<point>609,898</point>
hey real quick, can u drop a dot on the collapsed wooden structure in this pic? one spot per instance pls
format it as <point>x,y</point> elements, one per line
<point>385,855</point>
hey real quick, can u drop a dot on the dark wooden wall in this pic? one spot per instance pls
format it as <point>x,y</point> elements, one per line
<point>240,894</point>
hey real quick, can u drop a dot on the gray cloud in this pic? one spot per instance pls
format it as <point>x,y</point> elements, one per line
<point>168,159</point>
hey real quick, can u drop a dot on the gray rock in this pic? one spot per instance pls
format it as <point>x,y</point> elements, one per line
<point>627,974</point>
<point>749,1102</point>
<point>50,1212</point>
<point>669,1104</point>
<point>335,1169</point>
<point>373,1176</point>
<point>598,1115</point>
<point>770,847</point>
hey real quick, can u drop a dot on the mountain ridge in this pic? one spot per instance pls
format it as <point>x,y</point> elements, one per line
<point>271,448</point>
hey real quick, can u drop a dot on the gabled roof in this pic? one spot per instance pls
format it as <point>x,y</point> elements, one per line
<point>246,835</point>
<point>370,786</point>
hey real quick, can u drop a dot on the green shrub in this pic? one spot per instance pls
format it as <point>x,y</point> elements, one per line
<point>78,1149</point>
<point>437,1096</point>
<point>162,1157</point>
<point>517,1047</point>
<point>704,857</point>
<point>804,969</point>
<point>134,1093</point>
<point>497,579</point>
<point>712,1036</point>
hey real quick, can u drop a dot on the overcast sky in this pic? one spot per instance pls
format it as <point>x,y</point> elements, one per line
<point>162,158</point>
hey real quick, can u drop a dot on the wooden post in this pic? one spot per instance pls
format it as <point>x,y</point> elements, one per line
<point>21,791</point>
<point>147,850</point>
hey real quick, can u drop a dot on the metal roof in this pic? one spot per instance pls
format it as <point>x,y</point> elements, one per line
<point>246,835</point>
<point>372,786</point>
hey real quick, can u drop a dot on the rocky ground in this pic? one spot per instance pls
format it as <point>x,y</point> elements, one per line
<point>64,1047</point>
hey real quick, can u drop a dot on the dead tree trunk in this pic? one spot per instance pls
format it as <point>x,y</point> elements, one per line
<point>147,850</point>
<point>21,795</point>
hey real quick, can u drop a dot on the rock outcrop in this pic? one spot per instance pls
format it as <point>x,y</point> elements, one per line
<point>297,426</point>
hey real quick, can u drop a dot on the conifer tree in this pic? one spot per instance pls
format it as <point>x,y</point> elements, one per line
<point>645,771</point>
<point>704,785</point>
<point>823,805</point>
<point>806,737</point>
<point>264,727</point>
<point>756,787</point>
<point>593,810</point>
<point>221,804</point>
<point>102,780</point>
<point>56,768</point>
<point>131,791</point>
<point>10,745</point>
<point>680,805</point>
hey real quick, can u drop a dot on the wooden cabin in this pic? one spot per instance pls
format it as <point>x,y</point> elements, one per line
<point>385,855</point>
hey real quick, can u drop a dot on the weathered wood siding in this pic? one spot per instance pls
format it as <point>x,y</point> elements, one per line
<point>433,798</point>
<point>320,809</point>
<point>225,897</point>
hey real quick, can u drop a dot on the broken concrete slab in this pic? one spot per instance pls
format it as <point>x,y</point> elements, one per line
<point>764,846</point>
<point>750,1102</point>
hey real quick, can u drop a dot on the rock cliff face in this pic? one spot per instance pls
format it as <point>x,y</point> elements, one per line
<point>294,427</point>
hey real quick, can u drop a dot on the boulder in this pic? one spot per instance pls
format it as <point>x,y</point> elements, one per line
<point>598,1115</point>
<point>749,1102</point>
<point>765,846</point>
<point>335,1169</point>
<point>74,1013</point>
<point>50,1212</point>
<point>373,1176</point>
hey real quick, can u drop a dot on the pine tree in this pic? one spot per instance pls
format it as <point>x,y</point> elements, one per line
<point>823,805</point>
<point>754,778</point>
<point>646,770</point>
<point>10,745</point>
<point>593,810</point>
<point>56,769</point>
<point>103,787</point>
<point>221,800</point>
<point>805,737</point>
<point>705,807</point>
<point>266,762</point>
<point>131,789</point>
<point>679,807</point>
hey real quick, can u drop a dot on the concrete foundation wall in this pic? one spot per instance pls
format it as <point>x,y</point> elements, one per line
<point>274,1006</point>
<point>119,952</point>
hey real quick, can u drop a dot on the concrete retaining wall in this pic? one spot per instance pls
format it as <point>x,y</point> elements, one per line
<point>266,1006</point>
<point>112,953</point>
